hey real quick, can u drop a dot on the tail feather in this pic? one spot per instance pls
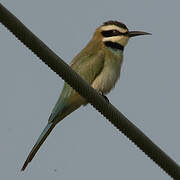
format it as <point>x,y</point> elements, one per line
<point>49,127</point>
<point>61,110</point>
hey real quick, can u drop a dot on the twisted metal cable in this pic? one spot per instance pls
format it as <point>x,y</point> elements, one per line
<point>76,82</point>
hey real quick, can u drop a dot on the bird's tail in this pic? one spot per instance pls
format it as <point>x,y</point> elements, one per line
<point>49,127</point>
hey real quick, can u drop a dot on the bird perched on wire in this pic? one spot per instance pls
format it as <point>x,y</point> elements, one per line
<point>99,63</point>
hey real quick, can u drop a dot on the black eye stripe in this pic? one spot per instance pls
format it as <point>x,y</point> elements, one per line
<point>111,33</point>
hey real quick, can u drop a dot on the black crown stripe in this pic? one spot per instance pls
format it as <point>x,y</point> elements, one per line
<point>117,23</point>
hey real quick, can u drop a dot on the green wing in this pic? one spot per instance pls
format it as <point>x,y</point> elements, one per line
<point>88,67</point>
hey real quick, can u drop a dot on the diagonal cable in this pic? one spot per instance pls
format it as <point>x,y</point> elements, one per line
<point>72,78</point>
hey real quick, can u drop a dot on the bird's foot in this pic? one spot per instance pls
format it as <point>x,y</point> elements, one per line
<point>102,94</point>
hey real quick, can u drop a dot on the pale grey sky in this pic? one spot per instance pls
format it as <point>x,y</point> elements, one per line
<point>85,145</point>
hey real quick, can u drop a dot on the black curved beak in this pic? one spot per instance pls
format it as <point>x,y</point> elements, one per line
<point>137,33</point>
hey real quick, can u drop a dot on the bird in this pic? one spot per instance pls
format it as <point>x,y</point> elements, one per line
<point>99,64</point>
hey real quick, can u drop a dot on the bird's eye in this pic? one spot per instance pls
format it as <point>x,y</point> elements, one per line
<point>115,32</point>
<point>110,33</point>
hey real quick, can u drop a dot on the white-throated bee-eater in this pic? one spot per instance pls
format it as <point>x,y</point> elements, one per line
<point>99,63</point>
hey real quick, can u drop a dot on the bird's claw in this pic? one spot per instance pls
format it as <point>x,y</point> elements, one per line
<point>105,97</point>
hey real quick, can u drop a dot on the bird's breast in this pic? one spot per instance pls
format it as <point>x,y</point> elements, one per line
<point>107,79</point>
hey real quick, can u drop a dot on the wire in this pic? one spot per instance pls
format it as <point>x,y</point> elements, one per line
<point>76,82</point>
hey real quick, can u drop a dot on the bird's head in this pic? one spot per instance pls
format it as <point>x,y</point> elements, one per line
<point>115,35</point>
